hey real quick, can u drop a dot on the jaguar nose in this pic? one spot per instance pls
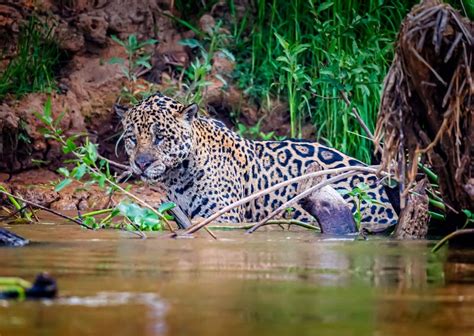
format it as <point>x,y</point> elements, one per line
<point>143,161</point>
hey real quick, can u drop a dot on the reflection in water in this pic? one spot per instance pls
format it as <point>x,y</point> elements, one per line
<point>269,283</point>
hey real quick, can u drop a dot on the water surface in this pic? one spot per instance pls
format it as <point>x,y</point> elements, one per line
<point>267,283</point>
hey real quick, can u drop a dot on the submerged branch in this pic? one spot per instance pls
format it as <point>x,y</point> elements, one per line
<point>246,226</point>
<point>196,227</point>
<point>300,196</point>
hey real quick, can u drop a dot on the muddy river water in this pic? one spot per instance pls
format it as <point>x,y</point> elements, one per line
<point>268,283</point>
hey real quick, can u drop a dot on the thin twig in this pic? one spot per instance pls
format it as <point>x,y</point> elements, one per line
<point>47,209</point>
<point>361,121</point>
<point>246,226</point>
<point>451,235</point>
<point>433,71</point>
<point>135,226</point>
<point>10,215</point>
<point>300,196</point>
<point>217,214</point>
<point>115,164</point>
<point>136,198</point>
<point>74,220</point>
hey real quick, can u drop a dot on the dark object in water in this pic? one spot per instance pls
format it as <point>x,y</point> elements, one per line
<point>8,238</point>
<point>44,287</point>
<point>331,211</point>
<point>328,207</point>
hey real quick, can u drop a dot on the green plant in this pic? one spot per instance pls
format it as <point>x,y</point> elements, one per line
<point>295,79</point>
<point>360,194</point>
<point>37,55</point>
<point>307,52</point>
<point>19,207</point>
<point>254,132</point>
<point>88,167</point>
<point>196,75</point>
<point>133,67</point>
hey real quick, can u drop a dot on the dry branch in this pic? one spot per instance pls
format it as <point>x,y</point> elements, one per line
<point>216,215</point>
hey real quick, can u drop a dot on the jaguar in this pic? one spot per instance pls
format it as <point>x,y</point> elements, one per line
<point>205,166</point>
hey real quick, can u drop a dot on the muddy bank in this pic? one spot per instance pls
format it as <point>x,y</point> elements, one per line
<point>38,186</point>
<point>88,86</point>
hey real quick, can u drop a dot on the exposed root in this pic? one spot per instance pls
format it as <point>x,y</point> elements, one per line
<point>426,110</point>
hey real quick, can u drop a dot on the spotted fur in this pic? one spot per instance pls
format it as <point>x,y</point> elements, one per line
<point>206,166</point>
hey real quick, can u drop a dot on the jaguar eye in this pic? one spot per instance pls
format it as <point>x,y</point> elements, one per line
<point>131,141</point>
<point>158,140</point>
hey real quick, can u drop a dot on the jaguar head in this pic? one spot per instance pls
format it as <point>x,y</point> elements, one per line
<point>158,135</point>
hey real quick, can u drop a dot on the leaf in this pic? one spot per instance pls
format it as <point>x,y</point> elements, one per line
<point>324,6</point>
<point>132,42</point>
<point>228,54</point>
<point>468,213</point>
<point>191,43</point>
<point>79,171</point>
<point>47,110</point>
<point>117,40</point>
<point>222,79</point>
<point>282,41</point>
<point>59,118</point>
<point>143,63</point>
<point>63,171</point>
<point>91,221</point>
<point>147,42</point>
<point>101,181</point>
<point>166,206</point>
<point>116,60</point>
<point>91,150</point>
<point>62,184</point>
<point>70,146</point>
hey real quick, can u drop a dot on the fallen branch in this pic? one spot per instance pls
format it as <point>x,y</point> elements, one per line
<point>246,226</point>
<point>196,227</point>
<point>300,196</point>
<point>54,212</point>
<point>47,209</point>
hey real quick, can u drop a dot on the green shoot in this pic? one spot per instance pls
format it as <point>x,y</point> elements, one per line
<point>88,167</point>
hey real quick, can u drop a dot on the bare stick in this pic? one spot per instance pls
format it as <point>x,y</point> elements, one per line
<point>433,71</point>
<point>10,215</point>
<point>194,228</point>
<point>47,209</point>
<point>135,226</point>
<point>361,122</point>
<point>113,163</point>
<point>246,226</point>
<point>299,197</point>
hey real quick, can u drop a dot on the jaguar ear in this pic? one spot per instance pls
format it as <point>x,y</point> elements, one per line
<point>120,110</point>
<point>190,112</point>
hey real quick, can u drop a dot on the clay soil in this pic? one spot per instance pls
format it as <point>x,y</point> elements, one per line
<point>89,88</point>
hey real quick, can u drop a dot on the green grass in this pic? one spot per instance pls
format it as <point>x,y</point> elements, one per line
<point>307,52</point>
<point>37,56</point>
